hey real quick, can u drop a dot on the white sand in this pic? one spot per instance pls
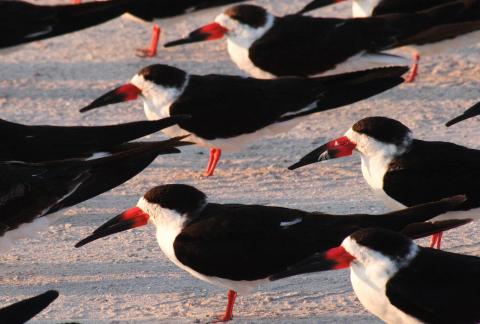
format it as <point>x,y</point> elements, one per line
<point>125,278</point>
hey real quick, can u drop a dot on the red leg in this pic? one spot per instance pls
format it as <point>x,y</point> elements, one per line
<point>436,240</point>
<point>215,154</point>
<point>210,162</point>
<point>76,1</point>
<point>232,295</point>
<point>433,241</point>
<point>152,51</point>
<point>414,72</point>
<point>439,240</point>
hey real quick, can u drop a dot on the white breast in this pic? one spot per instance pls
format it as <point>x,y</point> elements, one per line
<point>240,56</point>
<point>372,295</point>
<point>169,224</point>
<point>373,170</point>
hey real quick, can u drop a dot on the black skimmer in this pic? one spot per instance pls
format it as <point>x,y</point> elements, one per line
<point>401,282</point>
<point>238,246</point>
<point>23,22</point>
<point>155,9</point>
<point>453,34</point>
<point>469,113</point>
<point>31,193</point>
<point>26,309</point>
<point>266,46</point>
<point>227,112</point>
<point>46,143</point>
<point>405,171</point>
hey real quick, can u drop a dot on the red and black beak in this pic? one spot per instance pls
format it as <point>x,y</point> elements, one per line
<point>131,218</point>
<point>208,32</point>
<point>340,147</point>
<point>123,93</point>
<point>315,4</point>
<point>334,259</point>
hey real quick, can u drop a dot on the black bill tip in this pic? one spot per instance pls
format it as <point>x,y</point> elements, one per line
<point>317,155</point>
<point>469,113</point>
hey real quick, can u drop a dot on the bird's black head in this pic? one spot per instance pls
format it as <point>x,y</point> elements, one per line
<point>389,243</point>
<point>163,75</point>
<point>250,15</point>
<point>243,23</point>
<point>183,199</point>
<point>383,129</point>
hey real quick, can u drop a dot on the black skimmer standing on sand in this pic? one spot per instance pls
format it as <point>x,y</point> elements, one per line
<point>159,9</point>
<point>26,309</point>
<point>469,113</point>
<point>22,22</point>
<point>405,171</point>
<point>227,112</point>
<point>32,192</point>
<point>401,282</point>
<point>453,34</point>
<point>266,46</point>
<point>239,246</point>
<point>42,143</point>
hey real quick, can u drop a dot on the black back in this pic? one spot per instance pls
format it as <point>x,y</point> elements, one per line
<point>28,191</point>
<point>438,287</point>
<point>250,242</point>
<point>302,45</point>
<point>225,106</point>
<point>46,143</point>
<point>434,170</point>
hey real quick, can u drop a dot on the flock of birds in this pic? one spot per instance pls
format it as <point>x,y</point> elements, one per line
<point>300,65</point>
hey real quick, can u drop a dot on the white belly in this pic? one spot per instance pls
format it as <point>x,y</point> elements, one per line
<point>241,141</point>
<point>227,144</point>
<point>166,236</point>
<point>240,57</point>
<point>374,299</point>
<point>26,230</point>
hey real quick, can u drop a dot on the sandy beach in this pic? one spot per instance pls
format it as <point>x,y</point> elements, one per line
<point>126,278</point>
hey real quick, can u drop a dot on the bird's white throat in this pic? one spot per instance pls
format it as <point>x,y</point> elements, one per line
<point>157,99</point>
<point>239,39</point>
